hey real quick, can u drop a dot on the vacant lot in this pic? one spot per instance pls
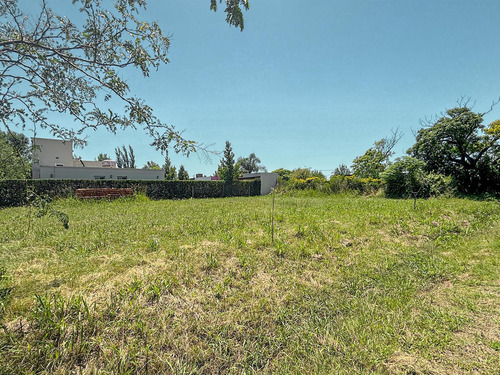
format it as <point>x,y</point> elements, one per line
<point>350,285</point>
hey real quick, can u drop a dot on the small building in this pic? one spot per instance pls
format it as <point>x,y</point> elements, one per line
<point>268,181</point>
<point>53,159</point>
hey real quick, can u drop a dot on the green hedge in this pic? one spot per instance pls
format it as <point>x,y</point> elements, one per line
<point>14,192</point>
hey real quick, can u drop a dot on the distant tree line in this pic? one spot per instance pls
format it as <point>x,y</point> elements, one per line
<point>457,153</point>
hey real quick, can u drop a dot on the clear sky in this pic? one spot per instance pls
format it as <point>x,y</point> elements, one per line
<point>312,83</point>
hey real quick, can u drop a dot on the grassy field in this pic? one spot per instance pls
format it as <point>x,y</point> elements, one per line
<point>350,285</point>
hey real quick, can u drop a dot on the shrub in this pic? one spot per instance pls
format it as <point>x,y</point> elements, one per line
<point>308,183</point>
<point>407,177</point>
<point>340,184</point>
<point>14,192</point>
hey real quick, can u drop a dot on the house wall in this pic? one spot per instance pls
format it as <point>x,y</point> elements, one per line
<point>89,173</point>
<point>54,159</point>
<point>53,151</point>
<point>268,181</point>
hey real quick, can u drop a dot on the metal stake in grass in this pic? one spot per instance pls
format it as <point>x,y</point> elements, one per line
<point>272,221</point>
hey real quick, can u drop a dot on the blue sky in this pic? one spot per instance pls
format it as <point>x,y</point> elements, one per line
<point>312,84</point>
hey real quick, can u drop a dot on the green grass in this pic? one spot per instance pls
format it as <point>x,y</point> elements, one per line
<point>350,285</point>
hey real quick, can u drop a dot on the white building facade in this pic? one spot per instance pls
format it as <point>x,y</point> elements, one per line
<point>53,159</point>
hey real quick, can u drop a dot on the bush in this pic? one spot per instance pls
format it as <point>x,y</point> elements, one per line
<point>308,183</point>
<point>341,184</point>
<point>15,192</point>
<point>407,177</point>
<point>437,184</point>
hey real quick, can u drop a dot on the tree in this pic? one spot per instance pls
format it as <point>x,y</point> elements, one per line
<point>459,145</point>
<point>170,172</point>
<point>151,165</point>
<point>118,157</point>
<point>234,15</point>
<point>249,164</point>
<point>102,157</point>
<point>131,157</point>
<point>304,173</point>
<point>377,158</point>
<point>407,177</point>
<point>342,170</point>
<point>15,156</point>
<point>283,174</point>
<point>227,170</point>
<point>50,63</point>
<point>404,178</point>
<point>125,158</point>
<point>182,175</point>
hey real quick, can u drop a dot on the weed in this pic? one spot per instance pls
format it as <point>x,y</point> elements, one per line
<point>153,245</point>
<point>211,261</point>
<point>5,292</point>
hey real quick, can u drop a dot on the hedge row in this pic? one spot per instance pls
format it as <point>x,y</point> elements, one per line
<point>14,192</point>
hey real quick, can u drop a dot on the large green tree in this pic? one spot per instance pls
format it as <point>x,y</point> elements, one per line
<point>458,144</point>
<point>374,161</point>
<point>249,164</point>
<point>53,64</point>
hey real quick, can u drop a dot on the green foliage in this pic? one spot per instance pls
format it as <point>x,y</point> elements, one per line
<point>151,165</point>
<point>73,67</point>
<point>234,14</point>
<point>284,175</point>
<point>125,158</point>
<point>407,178</point>
<point>306,179</point>
<point>313,180</point>
<point>44,207</point>
<point>343,184</point>
<point>304,173</point>
<point>404,178</point>
<point>308,183</point>
<point>14,156</point>
<point>170,170</point>
<point>377,158</point>
<point>5,292</point>
<point>201,189</point>
<point>371,164</point>
<point>460,146</point>
<point>342,170</point>
<point>249,164</point>
<point>103,156</point>
<point>183,174</point>
<point>15,192</point>
<point>227,170</point>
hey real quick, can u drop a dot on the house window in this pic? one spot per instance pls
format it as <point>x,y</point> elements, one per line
<point>57,157</point>
<point>59,165</point>
<point>99,177</point>
<point>121,177</point>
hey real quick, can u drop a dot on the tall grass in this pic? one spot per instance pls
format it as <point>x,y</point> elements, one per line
<point>350,285</point>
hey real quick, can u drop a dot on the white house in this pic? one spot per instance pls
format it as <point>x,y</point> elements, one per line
<point>53,158</point>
